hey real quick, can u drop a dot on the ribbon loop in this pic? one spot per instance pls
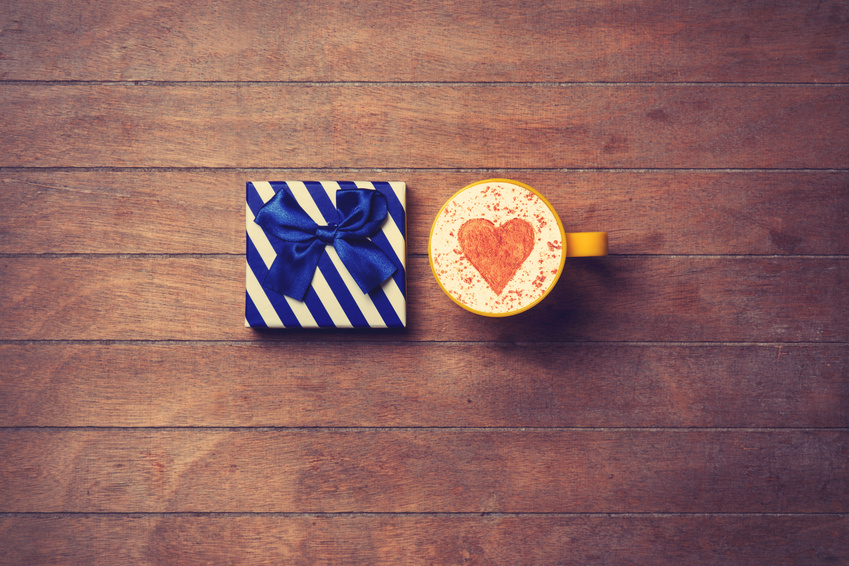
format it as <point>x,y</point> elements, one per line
<point>301,242</point>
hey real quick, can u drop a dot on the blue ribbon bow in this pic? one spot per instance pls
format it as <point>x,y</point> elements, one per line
<point>360,214</point>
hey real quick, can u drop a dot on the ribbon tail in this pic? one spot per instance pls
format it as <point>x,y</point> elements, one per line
<point>365,261</point>
<point>292,270</point>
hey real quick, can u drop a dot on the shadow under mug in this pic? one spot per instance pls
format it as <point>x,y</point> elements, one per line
<point>497,247</point>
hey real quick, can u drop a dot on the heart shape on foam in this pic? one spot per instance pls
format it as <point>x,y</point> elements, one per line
<point>497,253</point>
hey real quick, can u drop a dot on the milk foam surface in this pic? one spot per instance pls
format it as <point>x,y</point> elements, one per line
<point>498,202</point>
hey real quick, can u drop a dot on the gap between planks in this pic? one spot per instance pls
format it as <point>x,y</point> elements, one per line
<point>482,170</point>
<point>435,514</point>
<point>542,84</point>
<point>302,342</point>
<point>388,429</point>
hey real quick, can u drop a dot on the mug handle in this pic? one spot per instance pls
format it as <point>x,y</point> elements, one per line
<point>586,244</point>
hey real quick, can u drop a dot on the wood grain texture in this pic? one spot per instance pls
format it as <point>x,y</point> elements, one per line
<point>645,212</point>
<point>282,384</point>
<point>490,540</point>
<point>611,299</point>
<point>433,126</point>
<point>424,471</point>
<point>683,401</point>
<point>506,40</point>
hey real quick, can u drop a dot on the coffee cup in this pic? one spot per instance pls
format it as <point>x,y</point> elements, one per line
<point>497,247</point>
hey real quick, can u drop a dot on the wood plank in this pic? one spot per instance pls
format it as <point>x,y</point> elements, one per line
<point>378,540</point>
<point>261,40</point>
<point>672,298</point>
<point>275,384</point>
<point>434,126</point>
<point>646,212</point>
<point>425,470</point>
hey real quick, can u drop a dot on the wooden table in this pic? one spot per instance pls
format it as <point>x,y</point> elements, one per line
<point>683,401</point>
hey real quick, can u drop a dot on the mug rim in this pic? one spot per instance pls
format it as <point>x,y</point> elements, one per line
<point>554,279</point>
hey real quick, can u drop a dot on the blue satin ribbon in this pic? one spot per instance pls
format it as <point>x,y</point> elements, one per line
<point>360,214</point>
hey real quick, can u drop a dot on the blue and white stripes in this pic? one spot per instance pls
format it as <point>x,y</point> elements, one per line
<point>333,300</point>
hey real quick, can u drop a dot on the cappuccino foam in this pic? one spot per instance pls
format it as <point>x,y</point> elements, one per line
<point>489,208</point>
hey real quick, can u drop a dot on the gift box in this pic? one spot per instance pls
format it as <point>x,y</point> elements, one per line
<point>326,254</point>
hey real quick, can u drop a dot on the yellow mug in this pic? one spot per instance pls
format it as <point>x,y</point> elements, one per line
<point>497,247</point>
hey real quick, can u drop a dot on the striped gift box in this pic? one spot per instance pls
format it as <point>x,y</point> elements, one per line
<point>333,299</point>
